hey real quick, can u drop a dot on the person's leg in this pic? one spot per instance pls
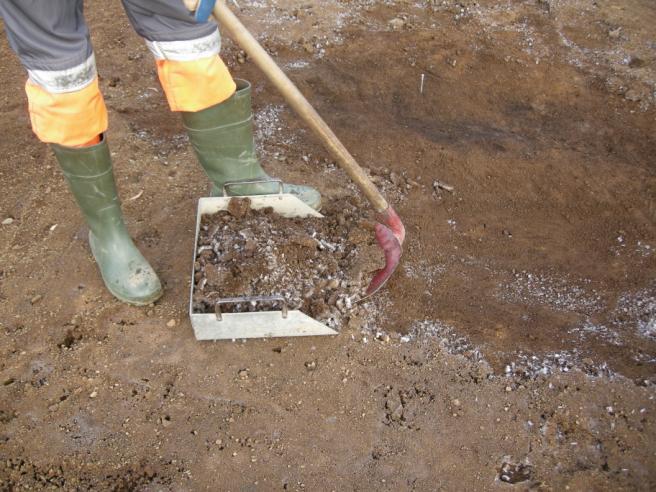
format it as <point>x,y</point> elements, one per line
<point>215,110</point>
<point>52,42</point>
<point>67,111</point>
<point>192,74</point>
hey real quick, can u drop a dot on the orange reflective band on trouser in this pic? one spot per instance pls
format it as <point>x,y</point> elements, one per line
<point>195,85</point>
<point>72,119</point>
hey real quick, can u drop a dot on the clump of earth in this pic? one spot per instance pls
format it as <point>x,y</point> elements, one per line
<point>320,266</point>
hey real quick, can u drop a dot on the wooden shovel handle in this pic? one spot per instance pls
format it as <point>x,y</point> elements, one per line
<point>297,101</point>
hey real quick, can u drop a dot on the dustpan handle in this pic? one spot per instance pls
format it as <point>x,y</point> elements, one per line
<point>228,184</point>
<point>253,299</point>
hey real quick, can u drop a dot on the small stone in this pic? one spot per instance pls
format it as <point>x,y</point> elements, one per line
<point>250,248</point>
<point>332,300</point>
<point>8,221</point>
<point>304,241</point>
<point>632,95</point>
<point>93,394</point>
<point>455,402</point>
<point>243,374</point>
<point>396,179</point>
<point>508,389</point>
<point>171,323</point>
<point>397,23</point>
<point>333,284</point>
<point>383,337</point>
<point>36,299</point>
<point>311,365</point>
<point>615,33</point>
<point>308,293</point>
<point>636,62</point>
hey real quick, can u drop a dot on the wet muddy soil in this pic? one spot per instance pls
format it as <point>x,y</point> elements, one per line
<point>515,347</point>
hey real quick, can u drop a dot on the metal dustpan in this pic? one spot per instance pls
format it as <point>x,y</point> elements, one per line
<point>281,322</point>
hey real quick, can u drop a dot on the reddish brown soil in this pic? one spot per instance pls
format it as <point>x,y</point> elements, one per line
<point>521,323</point>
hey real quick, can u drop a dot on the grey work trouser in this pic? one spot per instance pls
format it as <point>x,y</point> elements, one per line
<point>51,37</point>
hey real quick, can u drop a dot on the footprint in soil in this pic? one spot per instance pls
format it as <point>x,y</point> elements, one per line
<point>402,406</point>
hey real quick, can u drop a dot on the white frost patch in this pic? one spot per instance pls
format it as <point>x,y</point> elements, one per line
<point>424,270</point>
<point>532,366</point>
<point>523,366</point>
<point>267,121</point>
<point>269,128</point>
<point>447,337</point>
<point>276,21</point>
<point>644,249</point>
<point>557,293</point>
<point>297,64</point>
<point>374,309</point>
<point>638,310</point>
<point>591,330</point>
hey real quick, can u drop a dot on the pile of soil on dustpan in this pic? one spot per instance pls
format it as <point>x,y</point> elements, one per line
<point>321,266</point>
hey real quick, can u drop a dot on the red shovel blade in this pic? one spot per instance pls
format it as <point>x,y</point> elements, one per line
<point>390,235</point>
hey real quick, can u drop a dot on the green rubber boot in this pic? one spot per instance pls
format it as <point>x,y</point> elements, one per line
<point>222,137</point>
<point>126,273</point>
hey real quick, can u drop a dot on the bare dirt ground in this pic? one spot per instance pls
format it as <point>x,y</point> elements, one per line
<point>517,341</point>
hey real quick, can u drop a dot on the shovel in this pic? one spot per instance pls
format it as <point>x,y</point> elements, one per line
<point>390,232</point>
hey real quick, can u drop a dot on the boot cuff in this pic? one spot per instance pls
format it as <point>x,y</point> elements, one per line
<point>64,150</point>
